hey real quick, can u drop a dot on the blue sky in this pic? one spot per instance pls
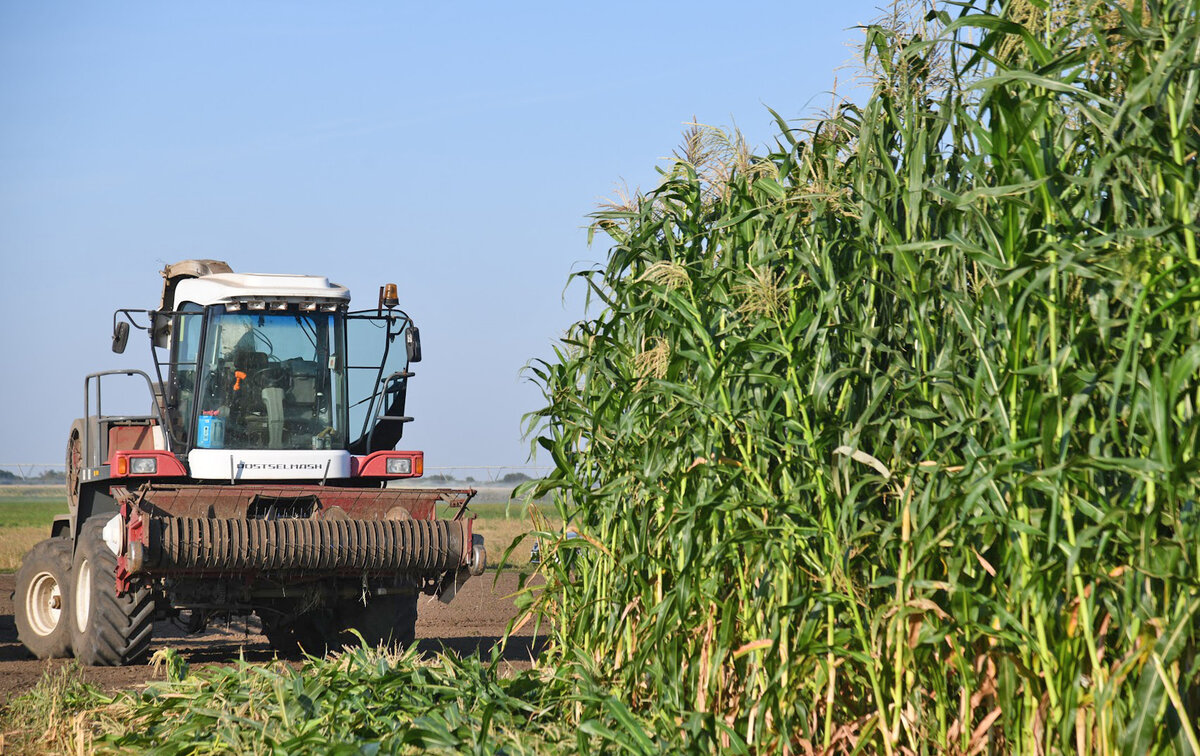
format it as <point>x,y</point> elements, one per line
<point>455,149</point>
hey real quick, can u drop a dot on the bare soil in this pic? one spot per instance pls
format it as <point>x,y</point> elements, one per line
<point>471,624</point>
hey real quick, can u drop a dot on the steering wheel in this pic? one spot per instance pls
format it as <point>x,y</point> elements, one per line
<point>272,376</point>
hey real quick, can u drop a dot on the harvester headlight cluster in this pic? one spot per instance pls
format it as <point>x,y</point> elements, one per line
<point>137,466</point>
<point>143,466</point>
<point>390,464</point>
<point>399,466</point>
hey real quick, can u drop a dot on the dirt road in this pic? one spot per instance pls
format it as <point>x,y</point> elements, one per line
<point>472,623</point>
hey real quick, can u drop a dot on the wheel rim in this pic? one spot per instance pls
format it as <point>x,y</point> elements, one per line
<point>83,595</point>
<point>43,603</point>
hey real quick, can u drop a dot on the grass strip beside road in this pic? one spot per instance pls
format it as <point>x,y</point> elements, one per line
<point>54,491</point>
<point>25,512</point>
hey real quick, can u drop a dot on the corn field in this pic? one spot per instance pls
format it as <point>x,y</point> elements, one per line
<point>887,440</point>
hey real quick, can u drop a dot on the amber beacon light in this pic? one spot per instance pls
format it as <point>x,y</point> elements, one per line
<point>391,297</point>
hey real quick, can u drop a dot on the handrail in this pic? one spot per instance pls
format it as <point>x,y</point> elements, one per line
<point>87,415</point>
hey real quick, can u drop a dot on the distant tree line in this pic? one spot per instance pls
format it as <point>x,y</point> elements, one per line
<point>512,478</point>
<point>48,476</point>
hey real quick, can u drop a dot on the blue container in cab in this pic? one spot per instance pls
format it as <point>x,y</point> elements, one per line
<point>210,432</point>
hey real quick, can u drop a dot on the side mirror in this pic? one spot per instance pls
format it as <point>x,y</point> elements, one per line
<point>120,336</point>
<point>412,342</point>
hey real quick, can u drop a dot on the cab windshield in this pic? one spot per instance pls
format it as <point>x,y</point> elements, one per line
<point>271,381</point>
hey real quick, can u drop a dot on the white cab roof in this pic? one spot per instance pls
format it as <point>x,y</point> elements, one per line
<point>237,287</point>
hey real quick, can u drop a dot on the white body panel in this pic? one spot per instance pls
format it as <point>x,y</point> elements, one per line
<point>269,464</point>
<point>235,287</point>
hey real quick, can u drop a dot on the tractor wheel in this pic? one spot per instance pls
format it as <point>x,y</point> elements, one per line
<point>307,634</point>
<point>385,620</point>
<point>42,599</point>
<point>107,630</point>
<point>74,462</point>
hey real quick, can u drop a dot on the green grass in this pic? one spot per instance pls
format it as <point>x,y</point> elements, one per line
<point>23,512</point>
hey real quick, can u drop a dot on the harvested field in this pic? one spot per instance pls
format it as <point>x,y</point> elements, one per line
<point>470,624</point>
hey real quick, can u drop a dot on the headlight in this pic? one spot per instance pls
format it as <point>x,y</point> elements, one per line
<point>143,466</point>
<point>399,466</point>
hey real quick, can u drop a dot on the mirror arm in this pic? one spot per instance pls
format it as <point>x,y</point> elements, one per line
<point>121,328</point>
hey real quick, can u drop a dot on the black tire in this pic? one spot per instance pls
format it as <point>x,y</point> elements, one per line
<point>308,634</point>
<point>384,621</point>
<point>283,642</point>
<point>42,599</point>
<point>107,630</point>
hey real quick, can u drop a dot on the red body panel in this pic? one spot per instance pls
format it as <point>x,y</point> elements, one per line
<point>357,503</point>
<point>375,465</point>
<point>169,465</point>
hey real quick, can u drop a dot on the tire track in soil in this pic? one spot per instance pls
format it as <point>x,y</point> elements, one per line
<point>471,623</point>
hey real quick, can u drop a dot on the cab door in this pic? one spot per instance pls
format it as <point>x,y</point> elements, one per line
<point>377,378</point>
<point>187,323</point>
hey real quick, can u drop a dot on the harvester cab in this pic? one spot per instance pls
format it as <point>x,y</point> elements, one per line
<point>261,482</point>
<point>260,364</point>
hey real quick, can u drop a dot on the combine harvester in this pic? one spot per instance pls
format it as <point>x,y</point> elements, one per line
<point>259,482</point>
